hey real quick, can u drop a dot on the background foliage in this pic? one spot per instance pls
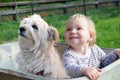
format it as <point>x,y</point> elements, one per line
<point>107,22</point>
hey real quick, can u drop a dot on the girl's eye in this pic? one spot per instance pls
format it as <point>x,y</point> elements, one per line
<point>34,27</point>
<point>68,29</point>
<point>78,28</point>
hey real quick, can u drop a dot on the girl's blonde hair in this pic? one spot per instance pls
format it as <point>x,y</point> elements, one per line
<point>91,27</point>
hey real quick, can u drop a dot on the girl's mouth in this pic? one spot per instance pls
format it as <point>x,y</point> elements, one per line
<point>73,38</point>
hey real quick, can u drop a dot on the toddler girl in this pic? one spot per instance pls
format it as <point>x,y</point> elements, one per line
<point>84,57</point>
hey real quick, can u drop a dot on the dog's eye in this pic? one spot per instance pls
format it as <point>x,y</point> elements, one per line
<point>34,27</point>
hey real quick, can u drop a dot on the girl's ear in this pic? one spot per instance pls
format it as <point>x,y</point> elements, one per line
<point>91,39</point>
<point>53,34</point>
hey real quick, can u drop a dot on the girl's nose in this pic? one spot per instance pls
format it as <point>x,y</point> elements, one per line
<point>73,31</point>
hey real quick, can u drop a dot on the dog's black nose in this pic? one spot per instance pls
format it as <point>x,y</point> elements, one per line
<point>22,31</point>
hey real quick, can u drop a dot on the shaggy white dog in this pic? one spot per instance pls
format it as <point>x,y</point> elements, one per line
<point>37,53</point>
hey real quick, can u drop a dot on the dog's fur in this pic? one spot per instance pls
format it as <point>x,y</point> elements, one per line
<point>37,53</point>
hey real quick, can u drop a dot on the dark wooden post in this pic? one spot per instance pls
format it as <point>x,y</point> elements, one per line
<point>15,8</point>
<point>64,9</point>
<point>32,8</point>
<point>96,4</point>
<point>116,3</point>
<point>84,7</point>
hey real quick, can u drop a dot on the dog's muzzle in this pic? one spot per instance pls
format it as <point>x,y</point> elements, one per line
<point>22,31</point>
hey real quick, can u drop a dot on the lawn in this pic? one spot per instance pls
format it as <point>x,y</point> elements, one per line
<point>107,22</point>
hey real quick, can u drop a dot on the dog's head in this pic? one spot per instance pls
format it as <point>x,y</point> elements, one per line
<point>35,32</point>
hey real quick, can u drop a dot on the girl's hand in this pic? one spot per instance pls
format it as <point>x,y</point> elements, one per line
<point>91,72</point>
<point>117,51</point>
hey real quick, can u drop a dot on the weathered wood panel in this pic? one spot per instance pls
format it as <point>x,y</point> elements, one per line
<point>64,6</point>
<point>9,68</point>
<point>11,4</point>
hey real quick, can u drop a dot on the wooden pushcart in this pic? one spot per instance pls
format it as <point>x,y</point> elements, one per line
<point>9,68</point>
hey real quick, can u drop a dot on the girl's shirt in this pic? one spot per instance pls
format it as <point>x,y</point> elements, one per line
<point>95,57</point>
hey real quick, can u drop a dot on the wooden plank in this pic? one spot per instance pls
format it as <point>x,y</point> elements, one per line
<point>36,9</point>
<point>53,7</point>
<point>6,74</point>
<point>111,72</point>
<point>11,4</point>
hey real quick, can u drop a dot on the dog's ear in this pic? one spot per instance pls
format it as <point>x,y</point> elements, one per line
<point>53,34</point>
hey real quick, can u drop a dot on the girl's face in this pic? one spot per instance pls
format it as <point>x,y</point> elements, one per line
<point>77,32</point>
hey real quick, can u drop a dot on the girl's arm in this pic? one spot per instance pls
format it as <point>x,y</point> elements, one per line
<point>108,59</point>
<point>75,70</point>
<point>71,65</point>
<point>105,59</point>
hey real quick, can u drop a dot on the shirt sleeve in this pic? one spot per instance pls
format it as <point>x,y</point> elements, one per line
<point>111,57</point>
<point>73,69</point>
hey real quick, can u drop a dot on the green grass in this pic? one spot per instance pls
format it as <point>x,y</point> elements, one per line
<point>8,31</point>
<point>108,35</point>
<point>107,22</point>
